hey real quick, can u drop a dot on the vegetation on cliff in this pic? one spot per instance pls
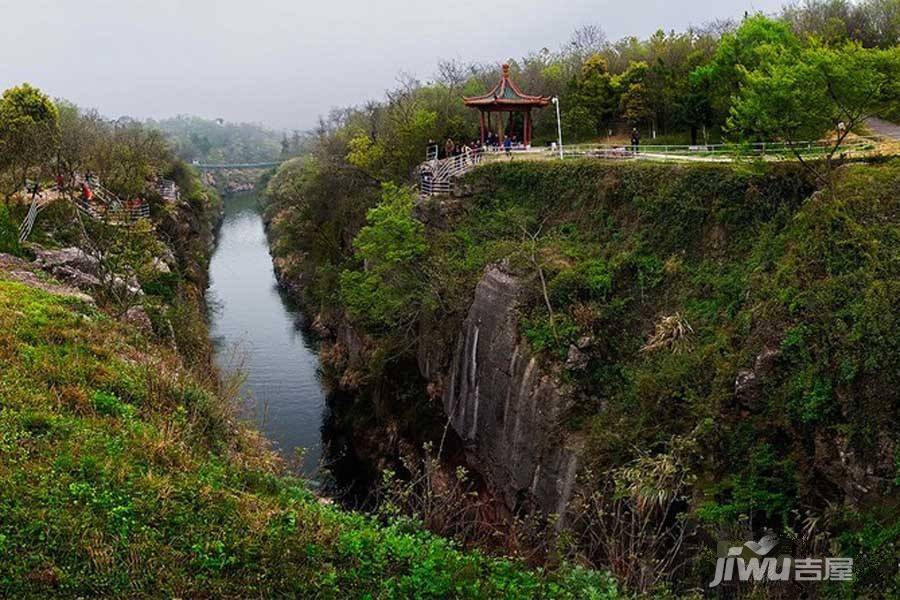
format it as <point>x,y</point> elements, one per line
<point>727,318</point>
<point>725,331</point>
<point>126,471</point>
<point>127,475</point>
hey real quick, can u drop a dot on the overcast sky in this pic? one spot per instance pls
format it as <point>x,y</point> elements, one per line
<point>282,63</point>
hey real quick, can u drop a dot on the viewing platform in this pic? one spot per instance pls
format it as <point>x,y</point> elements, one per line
<point>98,203</point>
<point>436,176</point>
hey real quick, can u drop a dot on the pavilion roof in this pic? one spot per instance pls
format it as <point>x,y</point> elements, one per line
<point>506,94</point>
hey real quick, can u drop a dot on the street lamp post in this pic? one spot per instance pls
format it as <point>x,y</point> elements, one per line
<point>558,127</point>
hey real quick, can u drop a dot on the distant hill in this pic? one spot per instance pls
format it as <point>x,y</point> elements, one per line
<point>214,140</point>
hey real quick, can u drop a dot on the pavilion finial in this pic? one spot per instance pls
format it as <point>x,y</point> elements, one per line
<point>505,70</point>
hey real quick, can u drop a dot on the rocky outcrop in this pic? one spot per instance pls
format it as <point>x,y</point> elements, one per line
<point>75,267</point>
<point>137,317</point>
<point>861,479</point>
<point>505,408</point>
<point>72,258</point>
<point>233,181</point>
<point>21,271</point>
<point>748,384</point>
<point>438,212</point>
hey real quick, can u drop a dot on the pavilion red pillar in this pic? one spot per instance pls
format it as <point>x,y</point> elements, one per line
<point>527,136</point>
<point>481,112</point>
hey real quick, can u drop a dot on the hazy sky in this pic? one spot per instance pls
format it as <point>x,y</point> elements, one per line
<point>283,63</point>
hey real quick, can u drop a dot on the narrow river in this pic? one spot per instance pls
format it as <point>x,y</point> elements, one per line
<point>255,329</point>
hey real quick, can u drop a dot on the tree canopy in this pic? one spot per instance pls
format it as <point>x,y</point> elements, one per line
<point>29,127</point>
<point>808,94</point>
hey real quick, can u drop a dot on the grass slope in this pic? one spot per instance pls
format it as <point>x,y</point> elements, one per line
<point>123,475</point>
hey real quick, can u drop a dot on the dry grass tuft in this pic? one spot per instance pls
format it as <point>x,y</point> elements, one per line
<point>672,332</point>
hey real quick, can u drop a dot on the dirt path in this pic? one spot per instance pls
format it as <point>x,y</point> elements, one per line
<point>884,128</point>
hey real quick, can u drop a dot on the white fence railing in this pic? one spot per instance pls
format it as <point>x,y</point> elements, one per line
<point>106,206</point>
<point>436,175</point>
<point>168,190</point>
<point>37,205</point>
<point>103,205</point>
<point>729,151</point>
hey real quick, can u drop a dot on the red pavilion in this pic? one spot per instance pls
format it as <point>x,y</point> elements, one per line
<point>506,97</point>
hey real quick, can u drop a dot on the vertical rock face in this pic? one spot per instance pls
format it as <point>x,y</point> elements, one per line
<point>506,410</point>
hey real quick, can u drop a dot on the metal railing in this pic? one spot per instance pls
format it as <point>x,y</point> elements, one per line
<point>39,201</point>
<point>106,206</point>
<point>773,150</point>
<point>168,190</point>
<point>85,208</point>
<point>257,165</point>
<point>436,175</point>
<point>37,205</point>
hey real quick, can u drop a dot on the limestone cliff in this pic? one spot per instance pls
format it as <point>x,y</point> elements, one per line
<point>505,407</point>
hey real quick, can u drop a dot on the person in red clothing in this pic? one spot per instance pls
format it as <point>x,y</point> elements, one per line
<point>60,182</point>
<point>86,193</point>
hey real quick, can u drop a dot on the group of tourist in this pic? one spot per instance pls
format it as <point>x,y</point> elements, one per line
<point>493,142</point>
<point>451,148</point>
<point>466,149</point>
<point>86,195</point>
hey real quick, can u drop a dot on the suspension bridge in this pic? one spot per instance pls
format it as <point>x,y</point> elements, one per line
<point>235,166</point>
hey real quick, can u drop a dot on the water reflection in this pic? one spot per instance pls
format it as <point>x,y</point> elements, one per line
<point>256,328</point>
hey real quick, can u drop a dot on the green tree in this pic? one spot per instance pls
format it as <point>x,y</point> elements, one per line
<point>394,144</point>
<point>366,155</point>
<point>758,41</point>
<point>635,102</point>
<point>124,259</point>
<point>636,106</point>
<point>805,97</point>
<point>28,134</point>
<point>696,106</point>
<point>578,123</point>
<point>594,90</point>
<point>873,23</point>
<point>387,291</point>
<point>80,133</point>
<point>128,155</point>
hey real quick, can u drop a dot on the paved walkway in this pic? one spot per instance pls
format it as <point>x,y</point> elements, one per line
<point>884,128</point>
